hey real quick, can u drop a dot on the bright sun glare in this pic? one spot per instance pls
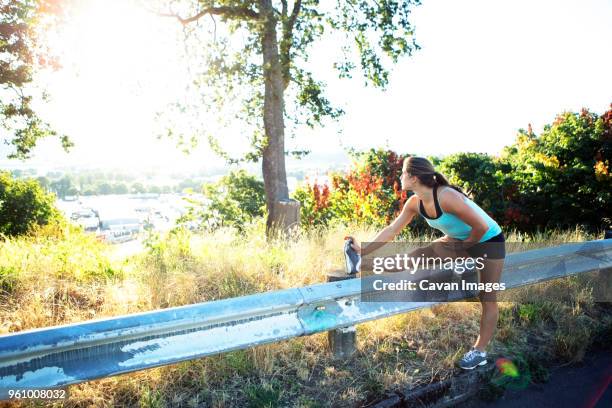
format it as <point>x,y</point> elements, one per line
<point>120,66</point>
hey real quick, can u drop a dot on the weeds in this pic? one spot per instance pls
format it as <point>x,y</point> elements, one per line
<point>58,278</point>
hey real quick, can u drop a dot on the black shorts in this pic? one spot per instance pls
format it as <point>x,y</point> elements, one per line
<point>492,248</point>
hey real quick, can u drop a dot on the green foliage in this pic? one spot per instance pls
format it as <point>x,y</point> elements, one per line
<point>151,398</point>
<point>369,194</point>
<point>54,252</point>
<point>138,188</point>
<point>21,54</point>
<point>44,182</point>
<point>480,176</point>
<point>24,205</point>
<point>529,313</point>
<point>235,200</point>
<point>230,75</point>
<point>381,30</point>
<point>63,187</point>
<point>96,182</point>
<point>263,396</point>
<point>560,179</point>
<point>239,362</point>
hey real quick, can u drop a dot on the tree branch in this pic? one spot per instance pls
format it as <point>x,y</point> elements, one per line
<point>287,40</point>
<point>224,11</point>
<point>296,10</point>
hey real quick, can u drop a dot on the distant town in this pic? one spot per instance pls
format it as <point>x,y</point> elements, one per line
<point>73,181</point>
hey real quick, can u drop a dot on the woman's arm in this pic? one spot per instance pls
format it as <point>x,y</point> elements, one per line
<point>453,202</point>
<point>388,233</point>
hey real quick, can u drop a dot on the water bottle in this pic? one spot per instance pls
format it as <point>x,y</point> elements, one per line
<point>352,258</point>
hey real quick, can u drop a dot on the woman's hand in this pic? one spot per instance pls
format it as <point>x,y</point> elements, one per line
<point>355,245</point>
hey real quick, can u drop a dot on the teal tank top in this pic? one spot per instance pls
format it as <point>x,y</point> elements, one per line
<point>453,226</point>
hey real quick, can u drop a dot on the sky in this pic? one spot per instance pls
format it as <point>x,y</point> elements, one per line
<point>485,69</point>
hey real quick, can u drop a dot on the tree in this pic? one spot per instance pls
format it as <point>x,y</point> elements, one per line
<point>559,179</point>
<point>272,62</point>
<point>154,190</point>
<point>563,175</point>
<point>23,204</point>
<point>188,184</point>
<point>138,188</point>
<point>120,188</point>
<point>368,194</point>
<point>484,178</point>
<point>64,187</point>
<point>44,182</point>
<point>21,54</point>
<point>104,189</point>
<point>234,200</point>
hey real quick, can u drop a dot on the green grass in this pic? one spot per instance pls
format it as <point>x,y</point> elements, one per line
<point>54,253</point>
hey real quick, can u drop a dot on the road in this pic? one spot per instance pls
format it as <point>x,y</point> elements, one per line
<point>584,385</point>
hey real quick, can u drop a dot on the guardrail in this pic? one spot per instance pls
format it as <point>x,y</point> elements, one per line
<point>58,356</point>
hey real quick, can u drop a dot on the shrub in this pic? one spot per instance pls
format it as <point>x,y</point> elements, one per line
<point>235,200</point>
<point>369,194</point>
<point>24,205</point>
<point>559,179</point>
<point>56,253</point>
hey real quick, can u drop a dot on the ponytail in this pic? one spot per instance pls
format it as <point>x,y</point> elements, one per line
<point>442,181</point>
<point>426,174</point>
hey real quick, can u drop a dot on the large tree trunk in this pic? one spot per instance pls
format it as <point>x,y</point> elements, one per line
<point>273,161</point>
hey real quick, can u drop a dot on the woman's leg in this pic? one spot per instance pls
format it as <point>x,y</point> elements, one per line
<point>491,273</point>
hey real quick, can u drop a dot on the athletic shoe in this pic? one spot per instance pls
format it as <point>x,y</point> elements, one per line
<point>473,359</point>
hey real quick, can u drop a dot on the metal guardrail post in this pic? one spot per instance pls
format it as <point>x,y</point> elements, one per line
<point>343,341</point>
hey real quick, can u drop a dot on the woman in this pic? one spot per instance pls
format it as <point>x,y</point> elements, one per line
<point>447,209</point>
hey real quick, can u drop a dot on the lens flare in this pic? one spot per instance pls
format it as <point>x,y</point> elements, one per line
<point>508,375</point>
<point>507,367</point>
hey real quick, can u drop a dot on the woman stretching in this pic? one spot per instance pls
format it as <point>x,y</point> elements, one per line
<point>447,209</point>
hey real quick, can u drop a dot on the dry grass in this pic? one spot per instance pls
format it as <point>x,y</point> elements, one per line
<point>53,281</point>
